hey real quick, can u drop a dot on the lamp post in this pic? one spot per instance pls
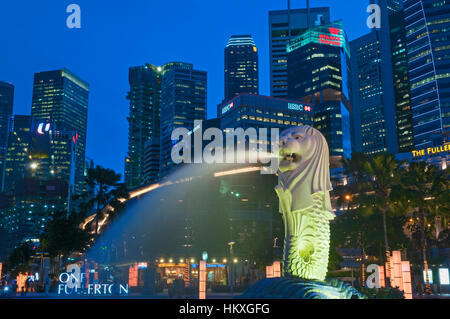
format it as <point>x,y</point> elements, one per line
<point>231,243</point>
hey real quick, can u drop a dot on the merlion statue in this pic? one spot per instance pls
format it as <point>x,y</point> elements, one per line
<point>303,190</point>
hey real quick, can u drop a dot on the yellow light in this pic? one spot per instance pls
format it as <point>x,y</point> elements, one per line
<point>171,260</point>
<point>192,260</point>
<point>237,171</point>
<point>224,261</point>
<point>213,260</point>
<point>235,260</point>
<point>348,197</point>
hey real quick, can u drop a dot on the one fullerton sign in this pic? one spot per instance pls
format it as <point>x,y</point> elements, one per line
<point>73,282</point>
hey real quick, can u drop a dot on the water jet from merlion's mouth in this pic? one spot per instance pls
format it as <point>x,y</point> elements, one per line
<point>154,220</point>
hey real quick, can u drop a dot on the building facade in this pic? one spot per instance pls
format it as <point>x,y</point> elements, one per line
<point>258,111</point>
<point>6,109</point>
<point>374,128</point>
<point>427,36</point>
<point>402,93</point>
<point>241,66</point>
<point>183,101</point>
<point>143,119</point>
<point>61,98</point>
<point>318,74</point>
<point>285,25</point>
<point>152,154</point>
<point>17,157</point>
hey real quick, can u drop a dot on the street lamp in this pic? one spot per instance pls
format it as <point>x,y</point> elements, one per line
<point>231,243</point>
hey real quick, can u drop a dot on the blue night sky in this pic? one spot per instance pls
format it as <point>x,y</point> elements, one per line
<point>115,35</point>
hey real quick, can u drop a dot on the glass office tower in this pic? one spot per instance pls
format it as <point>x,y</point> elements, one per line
<point>241,66</point>
<point>17,157</point>
<point>143,118</point>
<point>183,101</point>
<point>402,93</point>
<point>61,98</point>
<point>318,73</point>
<point>428,37</point>
<point>374,128</point>
<point>284,27</point>
<point>6,108</point>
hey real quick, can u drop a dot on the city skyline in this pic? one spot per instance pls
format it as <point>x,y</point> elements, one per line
<point>112,126</point>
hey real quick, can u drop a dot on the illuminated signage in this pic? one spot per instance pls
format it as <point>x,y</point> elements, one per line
<point>431,150</point>
<point>332,35</point>
<point>227,107</point>
<point>74,282</point>
<point>43,128</point>
<point>443,276</point>
<point>142,265</point>
<point>299,107</point>
<point>430,277</point>
<point>332,38</point>
<point>75,138</point>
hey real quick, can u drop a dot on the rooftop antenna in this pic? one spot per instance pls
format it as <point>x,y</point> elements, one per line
<point>289,19</point>
<point>308,14</point>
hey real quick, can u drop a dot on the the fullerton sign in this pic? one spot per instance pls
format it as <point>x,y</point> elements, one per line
<point>432,150</point>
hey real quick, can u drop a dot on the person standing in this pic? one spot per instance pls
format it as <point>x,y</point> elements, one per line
<point>47,284</point>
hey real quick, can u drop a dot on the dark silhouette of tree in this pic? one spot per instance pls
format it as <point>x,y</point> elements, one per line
<point>106,193</point>
<point>422,195</point>
<point>63,235</point>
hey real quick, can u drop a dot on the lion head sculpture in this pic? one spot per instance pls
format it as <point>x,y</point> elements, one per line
<point>303,191</point>
<point>304,166</point>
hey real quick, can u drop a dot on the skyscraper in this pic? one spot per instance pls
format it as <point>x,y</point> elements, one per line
<point>61,98</point>
<point>39,169</point>
<point>427,37</point>
<point>382,116</point>
<point>241,66</point>
<point>374,127</point>
<point>17,157</point>
<point>6,108</point>
<point>183,100</point>
<point>143,119</point>
<point>402,93</point>
<point>152,154</point>
<point>36,150</point>
<point>318,74</point>
<point>284,27</point>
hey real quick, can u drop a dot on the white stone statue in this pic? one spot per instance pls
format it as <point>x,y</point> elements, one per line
<point>303,190</point>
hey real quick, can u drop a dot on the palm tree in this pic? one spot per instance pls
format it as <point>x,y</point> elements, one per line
<point>107,192</point>
<point>382,175</point>
<point>423,194</point>
<point>354,167</point>
<point>62,236</point>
